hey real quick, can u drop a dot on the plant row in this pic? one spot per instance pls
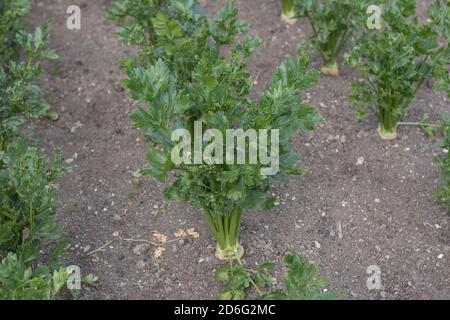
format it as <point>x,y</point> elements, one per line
<point>31,245</point>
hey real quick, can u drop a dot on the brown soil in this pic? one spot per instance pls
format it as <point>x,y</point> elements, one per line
<point>343,216</point>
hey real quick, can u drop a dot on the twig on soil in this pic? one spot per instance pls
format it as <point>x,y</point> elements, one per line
<point>101,248</point>
<point>152,243</point>
<point>141,240</point>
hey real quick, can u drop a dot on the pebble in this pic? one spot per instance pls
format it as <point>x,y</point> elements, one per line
<point>317,244</point>
<point>360,161</point>
<point>77,125</point>
<point>72,159</point>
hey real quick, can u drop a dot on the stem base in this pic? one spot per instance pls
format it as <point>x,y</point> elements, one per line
<point>289,18</point>
<point>236,252</point>
<point>387,135</point>
<point>331,69</point>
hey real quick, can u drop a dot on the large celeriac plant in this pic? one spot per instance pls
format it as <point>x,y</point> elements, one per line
<point>183,77</point>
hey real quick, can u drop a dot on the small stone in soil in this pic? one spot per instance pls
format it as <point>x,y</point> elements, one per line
<point>360,161</point>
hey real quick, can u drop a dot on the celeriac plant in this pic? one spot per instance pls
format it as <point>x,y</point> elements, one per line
<point>333,23</point>
<point>21,54</point>
<point>27,199</point>
<point>31,245</point>
<point>395,61</point>
<point>185,85</point>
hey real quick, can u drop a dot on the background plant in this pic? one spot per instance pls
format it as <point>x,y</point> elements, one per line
<point>443,160</point>
<point>27,200</point>
<point>395,61</point>
<point>333,23</point>
<point>300,282</point>
<point>21,54</point>
<point>183,86</point>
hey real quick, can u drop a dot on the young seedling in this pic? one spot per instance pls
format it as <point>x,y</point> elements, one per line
<point>191,83</point>
<point>395,61</point>
<point>287,12</point>
<point>333,23</point>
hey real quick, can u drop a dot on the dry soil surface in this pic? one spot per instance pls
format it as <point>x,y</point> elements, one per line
<point>365,201</point>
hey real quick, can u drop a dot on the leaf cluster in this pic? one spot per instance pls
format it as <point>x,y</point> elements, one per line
<point>31,245</point>
<point>300,283</point>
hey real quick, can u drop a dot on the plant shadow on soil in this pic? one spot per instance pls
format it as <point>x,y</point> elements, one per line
<point>344,216</point>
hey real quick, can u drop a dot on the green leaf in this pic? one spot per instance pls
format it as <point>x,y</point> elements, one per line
<point>222,274</point>
<point>276,295</point>
<point>232,295</point>
<point>90,280</point>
